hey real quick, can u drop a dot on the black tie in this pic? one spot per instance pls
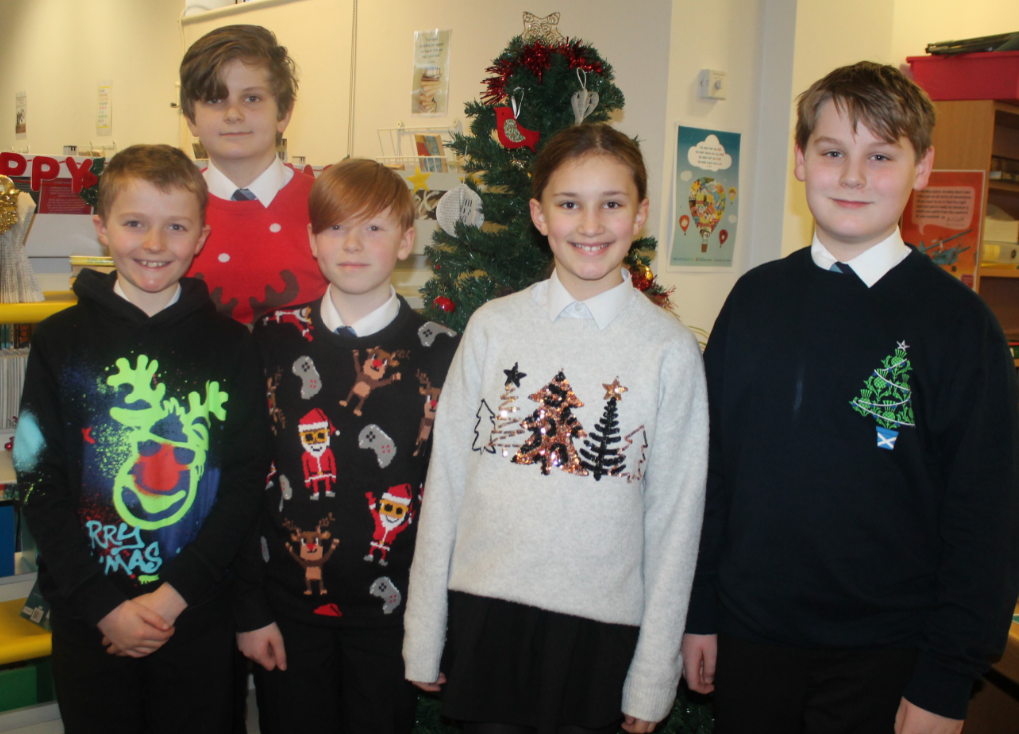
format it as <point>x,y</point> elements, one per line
<point>840,268</point>
<point>243,195</point>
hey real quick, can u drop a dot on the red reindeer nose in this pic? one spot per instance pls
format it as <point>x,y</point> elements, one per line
<point>376,363</point>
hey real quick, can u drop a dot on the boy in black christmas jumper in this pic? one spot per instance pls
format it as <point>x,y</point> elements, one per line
<point>352,382</point>
<point>858,566</point>
<point>139,454</point>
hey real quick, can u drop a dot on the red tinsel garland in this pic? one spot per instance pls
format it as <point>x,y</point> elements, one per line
<point>536,57</point>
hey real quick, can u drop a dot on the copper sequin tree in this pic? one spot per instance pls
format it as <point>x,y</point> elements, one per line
<point>553,428</point>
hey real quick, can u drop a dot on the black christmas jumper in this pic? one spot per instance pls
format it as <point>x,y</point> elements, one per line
<point>351,421</point>
<point>862,488</point>
<point>140,450</point>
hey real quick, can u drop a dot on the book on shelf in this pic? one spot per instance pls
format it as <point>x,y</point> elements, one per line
<point>98,263</point>
<point>431,145</point>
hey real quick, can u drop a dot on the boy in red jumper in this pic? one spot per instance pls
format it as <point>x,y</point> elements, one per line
<point>237,92</point>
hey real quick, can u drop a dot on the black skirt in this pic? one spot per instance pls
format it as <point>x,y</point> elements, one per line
<point>509,663</point>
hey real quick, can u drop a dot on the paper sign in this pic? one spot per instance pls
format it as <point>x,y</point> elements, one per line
<point>430,87</point>
<point>943,221</point>
<point>20,114</point>
<point>104,110</point>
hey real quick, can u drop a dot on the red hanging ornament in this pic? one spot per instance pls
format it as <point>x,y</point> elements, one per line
<point>511,133</point>
<point>444,304</point>
<point>641,276</point>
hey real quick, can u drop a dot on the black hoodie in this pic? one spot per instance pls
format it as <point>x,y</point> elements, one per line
<point>141,448</point>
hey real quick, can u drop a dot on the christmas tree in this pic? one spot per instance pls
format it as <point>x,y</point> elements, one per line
<point>553,428</point>
<point>506,424</point>
<point>600,457</point>
<point>536,89</point>
<point>886,396</point>
<point>483,429</point>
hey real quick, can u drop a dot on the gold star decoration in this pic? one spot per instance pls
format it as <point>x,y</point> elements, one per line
<point>8,204</point>
<point>542,29</point>
<point>614,390</point>
<point>418,179</point>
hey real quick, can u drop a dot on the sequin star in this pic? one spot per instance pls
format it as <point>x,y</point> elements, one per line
<point>614,390</point>
<point>902,345</point>
<point>514,375</point>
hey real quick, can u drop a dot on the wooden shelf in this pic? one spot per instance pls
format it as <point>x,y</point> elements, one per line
<point>33,313</point>
<point>1009,186</point>
<point>991,272</point>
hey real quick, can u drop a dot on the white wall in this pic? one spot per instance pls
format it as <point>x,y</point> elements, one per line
<point>59,50</point>
<point>748,39</point>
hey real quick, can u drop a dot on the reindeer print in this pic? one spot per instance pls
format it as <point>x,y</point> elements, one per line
<point>371,374</point>
<point>312,554</point>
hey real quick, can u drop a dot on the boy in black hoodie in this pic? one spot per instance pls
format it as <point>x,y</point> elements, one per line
<point>140,460</point>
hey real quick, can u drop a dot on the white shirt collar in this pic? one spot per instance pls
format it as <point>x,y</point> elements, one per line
<point>603,308</point>
<point>120,292</point>
<point>373,323</point>
<point>872,264</point>
<point>265,187</point>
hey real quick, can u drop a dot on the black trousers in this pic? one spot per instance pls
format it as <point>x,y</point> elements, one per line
<point>768,689</point>
<point>182,687</point>
<point>346,680</point>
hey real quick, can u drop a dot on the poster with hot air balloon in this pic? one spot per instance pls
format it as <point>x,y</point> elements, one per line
<point>706,214</point>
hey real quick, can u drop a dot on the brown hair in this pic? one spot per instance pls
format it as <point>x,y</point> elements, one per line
<point>358,188</point>
<point>889,105</point>
<point>590,139</point>
<point>162,166</point>
<point>200,70</point>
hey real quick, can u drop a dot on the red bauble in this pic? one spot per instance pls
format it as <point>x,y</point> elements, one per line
<point>444,304</point>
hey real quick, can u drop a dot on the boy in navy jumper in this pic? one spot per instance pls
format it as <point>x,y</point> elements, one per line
<point>139,454</point>
<point>857,568</point>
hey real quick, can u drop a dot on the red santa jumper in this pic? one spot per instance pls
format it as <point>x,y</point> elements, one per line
<point>318,461</point>
<point>392,516</point>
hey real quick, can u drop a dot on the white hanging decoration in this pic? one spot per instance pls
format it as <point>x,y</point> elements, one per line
<point>459,204</point>
<point>584,102</point>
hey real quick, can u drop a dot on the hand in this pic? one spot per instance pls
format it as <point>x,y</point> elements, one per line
<point>914,720</point>
<point>133,630</point>
<point>700,653</point>
<point>264,646</point>
<point>431,687</point>
<point>638,726</point>
<point>164,601</point>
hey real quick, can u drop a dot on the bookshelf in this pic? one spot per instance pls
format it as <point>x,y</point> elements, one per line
<point>33,313</point>
<point>967,135</point>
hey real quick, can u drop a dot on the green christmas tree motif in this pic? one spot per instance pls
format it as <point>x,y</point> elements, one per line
<point>887,397</point>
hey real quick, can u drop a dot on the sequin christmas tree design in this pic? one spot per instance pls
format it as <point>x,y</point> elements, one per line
<point>507,426</point>
<point>553,428</point>
<point>887,397</point>
<point>600,456</point>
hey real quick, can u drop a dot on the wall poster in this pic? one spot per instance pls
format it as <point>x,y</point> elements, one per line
<point>707,198</point>
<point>943,221</point>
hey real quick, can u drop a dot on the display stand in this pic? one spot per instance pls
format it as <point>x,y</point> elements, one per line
<point>399,147</point>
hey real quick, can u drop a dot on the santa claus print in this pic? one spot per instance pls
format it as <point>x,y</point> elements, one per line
<point>318,462</point>
<point>393,514</point>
